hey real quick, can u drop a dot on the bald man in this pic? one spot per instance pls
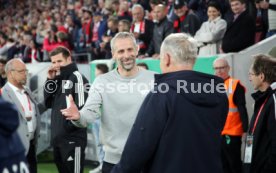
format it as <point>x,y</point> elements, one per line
<point>162,28</point>
<point>15,92</point>
<point>237,119</point>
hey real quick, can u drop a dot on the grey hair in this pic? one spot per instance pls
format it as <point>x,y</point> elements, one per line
<point>224,60</point>
<point>181,46</point>
<point>9,65</point>
<point>138,6</point>
<point>122,35</point>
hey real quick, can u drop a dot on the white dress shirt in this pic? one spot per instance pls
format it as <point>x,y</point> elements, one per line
<point>28,107</point>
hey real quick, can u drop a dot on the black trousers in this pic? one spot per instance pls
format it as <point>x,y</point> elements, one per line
<point>31,158</point>
<point>107,167</point>
<point>231,154</point>
<point>69,157</point>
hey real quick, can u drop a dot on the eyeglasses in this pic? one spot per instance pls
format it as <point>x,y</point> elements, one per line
<point>21,71</point>
<point>219,68</point>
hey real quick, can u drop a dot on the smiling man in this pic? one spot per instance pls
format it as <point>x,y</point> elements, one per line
<point>68,141</point>
<point>115,97</point>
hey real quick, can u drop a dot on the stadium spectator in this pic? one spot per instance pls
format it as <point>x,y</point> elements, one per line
<point>141,28</point>
<point>124,12</point>
<point>123,25</point>
<point>270,6</point>
<point>211,32</point>
<point>187,21</point>
<point>3,75</point>
<point>162,28</point>
<point>240,32</point>
<point>104,51</point>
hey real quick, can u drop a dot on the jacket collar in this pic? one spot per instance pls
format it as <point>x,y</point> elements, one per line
<point>67,70</point>
<point>261,96</point>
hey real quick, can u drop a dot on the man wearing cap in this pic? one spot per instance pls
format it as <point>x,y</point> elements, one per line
<point>187,21</point>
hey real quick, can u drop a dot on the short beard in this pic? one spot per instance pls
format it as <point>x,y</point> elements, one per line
<point>129,67</point>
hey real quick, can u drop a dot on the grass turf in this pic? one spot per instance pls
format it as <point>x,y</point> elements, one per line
<point>46,164</point>
<point>51,168</point>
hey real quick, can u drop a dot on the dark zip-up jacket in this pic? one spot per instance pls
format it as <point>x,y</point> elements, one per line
<point>11,148</point>
<point>70,81</point>
<point>264,136</point>
<point>178,129</point>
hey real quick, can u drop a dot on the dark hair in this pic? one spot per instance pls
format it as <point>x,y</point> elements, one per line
<point>156,2</point>
<point>142,64</point>
<point>54,28</point>
<point>102,67</point>
<point>60,49</point>
<point>266,65</point>
<point>11,40</point>
<point>214,4</point>
<point>126,23</point>
<point>2,61</point>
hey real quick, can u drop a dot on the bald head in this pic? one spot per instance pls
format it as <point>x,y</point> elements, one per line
<point>159,12</point>
<point>222,68</point>
<point>16,72</point>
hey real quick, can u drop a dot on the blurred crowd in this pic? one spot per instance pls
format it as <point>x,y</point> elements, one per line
<point>31,29</point>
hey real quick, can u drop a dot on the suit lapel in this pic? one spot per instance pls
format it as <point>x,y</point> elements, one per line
<point>14,100</point>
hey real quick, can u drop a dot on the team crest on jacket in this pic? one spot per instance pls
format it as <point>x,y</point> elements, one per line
<point>67,84</point>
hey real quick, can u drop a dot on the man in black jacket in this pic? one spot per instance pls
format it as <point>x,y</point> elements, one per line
<point>68,141</point>
<point>162,28</point>
<point>141,28</point>
<point>179,123</point>
<point>187,21</point>
<point>240,32</point>
<point>260,155</point>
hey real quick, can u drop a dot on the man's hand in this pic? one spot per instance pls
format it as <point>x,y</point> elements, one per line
<point>72,112</point>
<point>51,73</point>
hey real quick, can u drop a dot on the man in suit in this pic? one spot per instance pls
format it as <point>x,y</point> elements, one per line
<point>17,93</point>
<point>240,32</point>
